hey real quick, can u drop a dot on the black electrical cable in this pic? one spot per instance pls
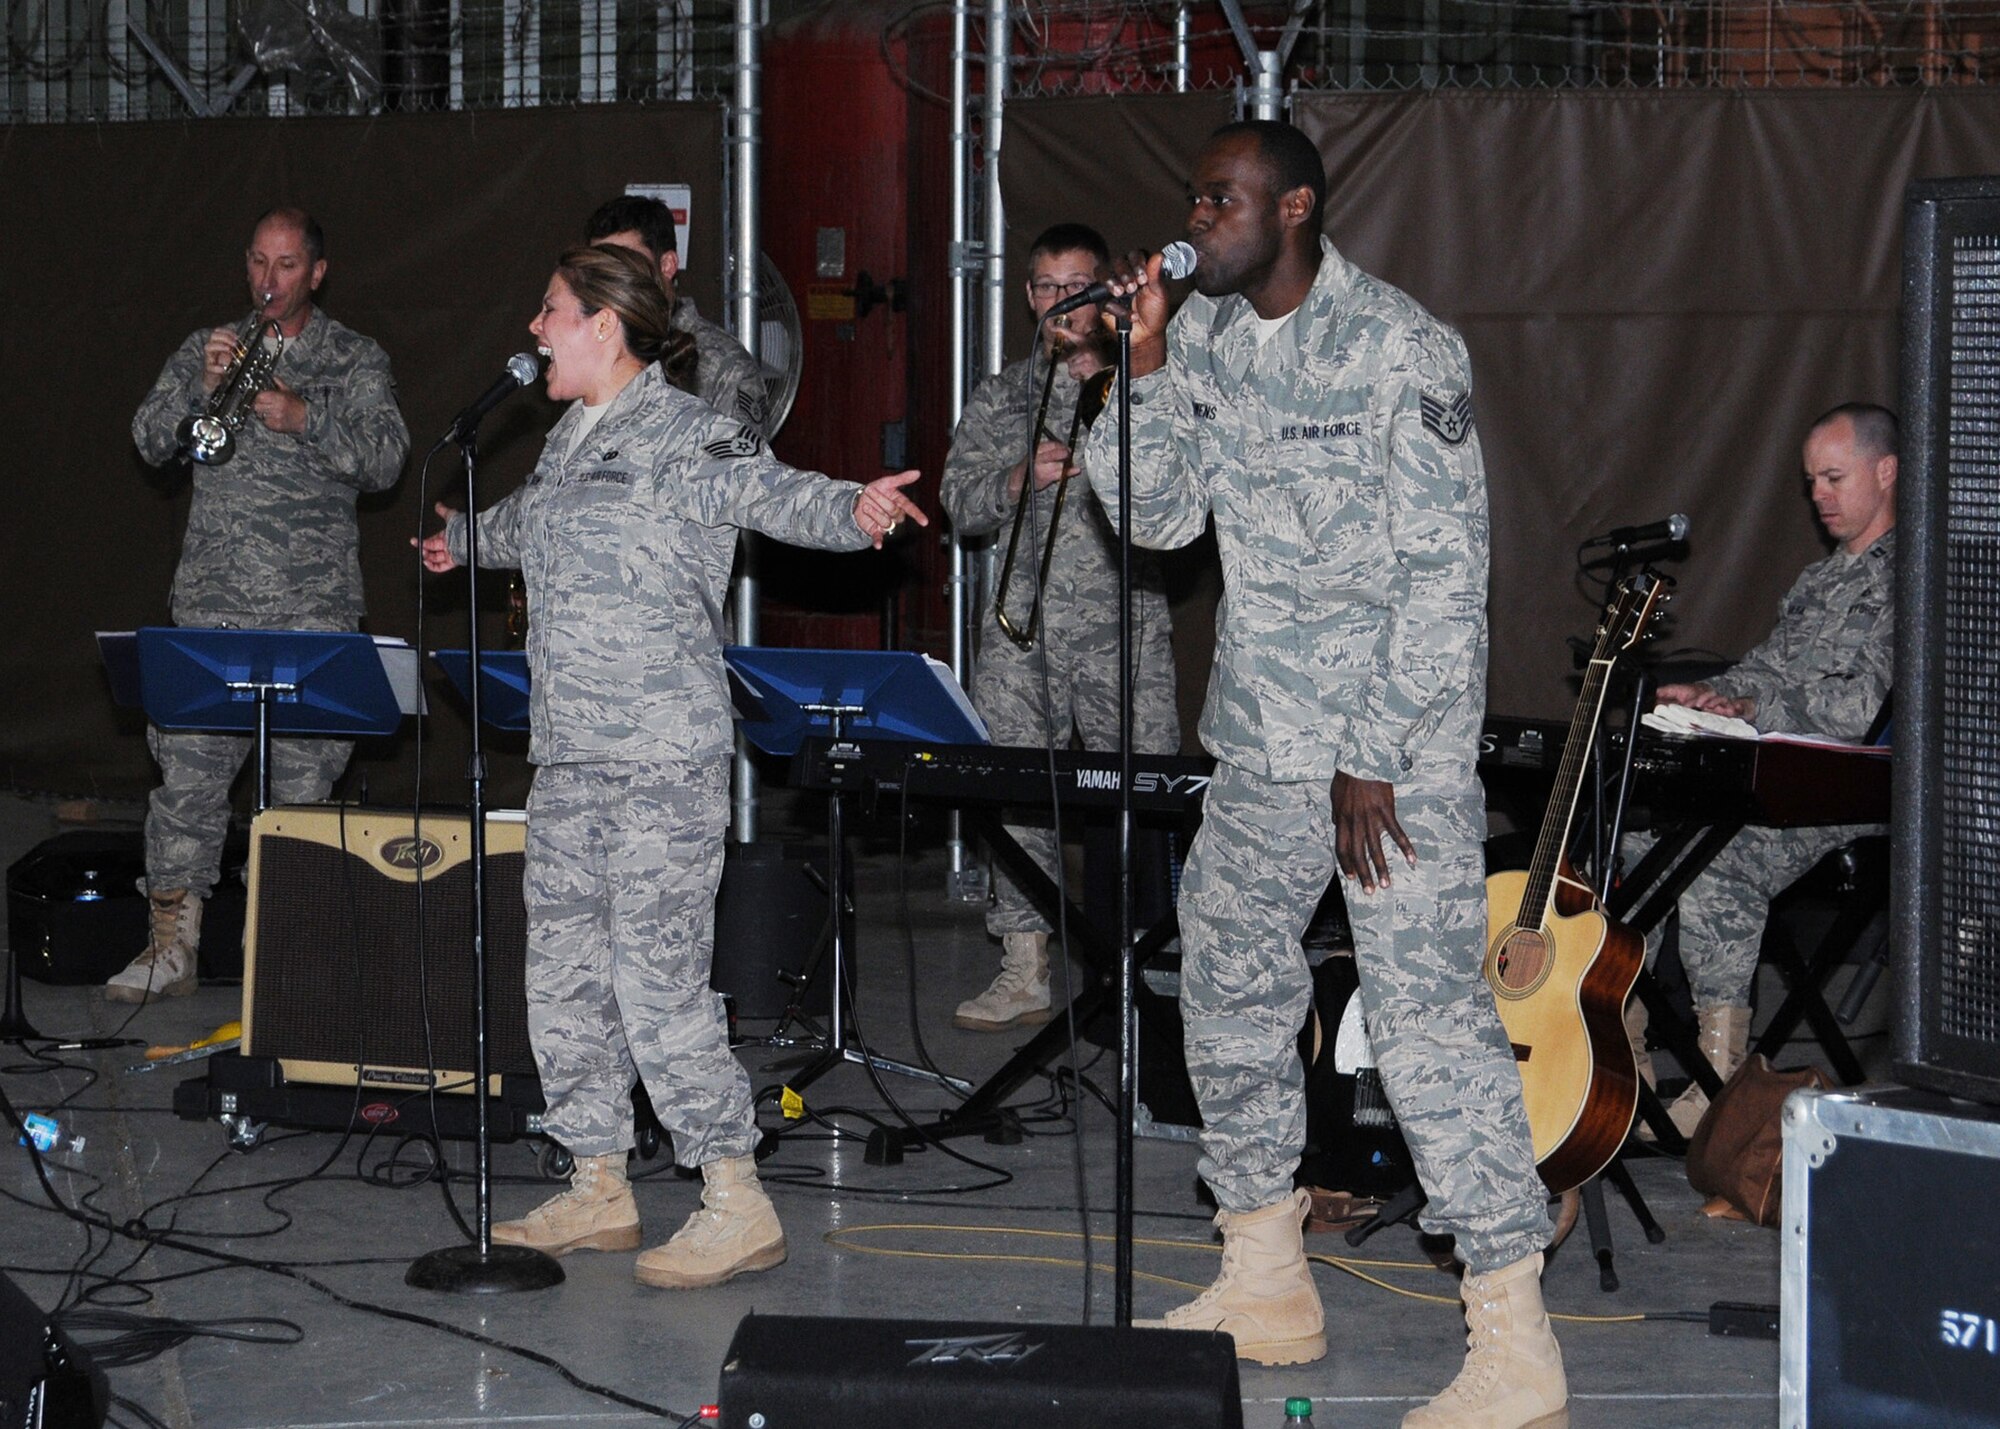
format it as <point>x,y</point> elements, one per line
<point>149,1238</point>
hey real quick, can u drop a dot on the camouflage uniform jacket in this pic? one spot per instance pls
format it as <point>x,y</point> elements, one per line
<point>1080,607</point>
<point>1827,665</point>
<point>625,547</point>
<point>271,536</point>
<point>725,376</point>
<point>1349,496</point>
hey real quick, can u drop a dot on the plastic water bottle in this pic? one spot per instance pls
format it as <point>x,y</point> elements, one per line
<point>1298,1413</point>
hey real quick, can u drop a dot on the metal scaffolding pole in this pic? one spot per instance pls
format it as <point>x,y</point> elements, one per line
<point>994,305</point>
<point>745,132</point>
<point>965,878</point>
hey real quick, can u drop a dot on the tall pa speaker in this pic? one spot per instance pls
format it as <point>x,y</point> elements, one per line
<point>795,1372</point>
<point>1946,855</point>
<point>45,1381</point>
<point>357,957</point>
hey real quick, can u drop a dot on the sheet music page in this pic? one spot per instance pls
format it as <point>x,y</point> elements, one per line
<point>958,696</point>
<point>1682,721</point>
<point>400,666</point>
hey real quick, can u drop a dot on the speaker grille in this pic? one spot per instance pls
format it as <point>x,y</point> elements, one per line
<point>341,976</point>
<point>1968,974</point>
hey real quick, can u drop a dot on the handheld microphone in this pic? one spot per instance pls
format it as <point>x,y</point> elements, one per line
<point>522,368</point>
<point>1672,528</point>
<point>1177,260</point>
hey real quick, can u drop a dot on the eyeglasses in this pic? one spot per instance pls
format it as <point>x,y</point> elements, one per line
<point>1051,291</point>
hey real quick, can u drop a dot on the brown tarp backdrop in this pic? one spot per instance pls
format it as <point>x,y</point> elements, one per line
<point>1659,290</point>
<point>118,240</point>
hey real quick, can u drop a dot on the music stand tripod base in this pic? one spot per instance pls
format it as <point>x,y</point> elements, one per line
<point>464,1269</point>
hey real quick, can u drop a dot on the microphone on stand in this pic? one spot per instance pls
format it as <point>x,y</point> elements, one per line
<point>1671,528</point>
<point>522,368</point>
<point>1177,260</point>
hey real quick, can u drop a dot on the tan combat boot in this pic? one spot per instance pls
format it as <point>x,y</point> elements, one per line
<point>1265,1296</point>
<point>597,1212</point>
<point>1725,1040</point>
<point>1513,1372</point>
<point>168,966</point>
<point>1019,997</point>
<point>735,1230</point>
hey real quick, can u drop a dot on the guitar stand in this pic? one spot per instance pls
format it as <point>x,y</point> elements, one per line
<point>1404,1205</point>
<point>1597,1222</point>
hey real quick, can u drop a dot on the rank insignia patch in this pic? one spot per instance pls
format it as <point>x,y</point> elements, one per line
<point>745,443</point>
<point>1448,416</point>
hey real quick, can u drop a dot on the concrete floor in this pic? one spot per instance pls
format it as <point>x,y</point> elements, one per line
<point>332,1224</point>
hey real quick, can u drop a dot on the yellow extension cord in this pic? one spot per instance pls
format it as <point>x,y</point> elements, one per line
<point>845,1240</point>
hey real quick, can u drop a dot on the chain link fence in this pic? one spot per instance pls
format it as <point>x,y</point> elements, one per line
<point>72,60</point>
<point>68,60</point>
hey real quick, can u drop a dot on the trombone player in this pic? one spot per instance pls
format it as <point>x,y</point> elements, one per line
<point>1069,619</point>
<point>310,413</point>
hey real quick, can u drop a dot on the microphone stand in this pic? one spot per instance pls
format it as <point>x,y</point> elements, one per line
<point>1128,1029</point>
<point>483,1267</point>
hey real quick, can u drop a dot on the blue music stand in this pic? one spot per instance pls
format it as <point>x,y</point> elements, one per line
<point>781,696</point>
<point>503,683</point>
<point>266,682</point>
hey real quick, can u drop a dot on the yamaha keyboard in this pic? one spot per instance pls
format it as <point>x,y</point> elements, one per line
<point>999,774</point>
<point>1678,779</point>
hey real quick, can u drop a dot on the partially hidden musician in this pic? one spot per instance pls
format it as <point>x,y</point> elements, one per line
<point>986,476</point>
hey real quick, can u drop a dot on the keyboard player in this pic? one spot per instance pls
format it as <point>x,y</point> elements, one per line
<point>1825,669</point>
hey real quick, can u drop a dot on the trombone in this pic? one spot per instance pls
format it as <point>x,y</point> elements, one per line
<point>1090,400</point>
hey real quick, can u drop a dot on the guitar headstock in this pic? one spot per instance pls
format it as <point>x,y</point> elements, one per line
<point>1633,607</point>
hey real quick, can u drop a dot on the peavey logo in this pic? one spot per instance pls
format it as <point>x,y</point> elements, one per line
<point>408,851</point>
<point>378,1113</point>
<point>973,1349</point>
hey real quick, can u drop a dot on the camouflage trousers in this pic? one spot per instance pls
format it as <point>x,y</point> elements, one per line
<point>623,861</point>
<point>1083,699</point>
<point>1723,912</point>
<point>1263,858</point>
<point>187,816</point>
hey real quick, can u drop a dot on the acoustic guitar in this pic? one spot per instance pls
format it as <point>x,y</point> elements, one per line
<point>1560,969</point>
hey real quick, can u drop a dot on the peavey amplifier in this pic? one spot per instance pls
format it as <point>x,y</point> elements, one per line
<point>1890,1262</point>
<point>794,1372</point>
<point>357,956</point>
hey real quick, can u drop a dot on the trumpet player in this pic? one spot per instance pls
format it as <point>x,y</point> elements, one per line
<point>1075,637</point>
<point>271,543</point>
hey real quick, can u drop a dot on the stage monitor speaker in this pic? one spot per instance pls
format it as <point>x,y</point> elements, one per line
<point>795,1372</point>
<point>45,1381</point>
<point>349,956</point>
<point>1945,897</point>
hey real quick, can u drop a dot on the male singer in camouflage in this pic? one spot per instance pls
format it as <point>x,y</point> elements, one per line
<point>1825,669</point>
<point>271,543</point>
<point>1324,420</point>
<point>725,375</point>
<point>986,475</point>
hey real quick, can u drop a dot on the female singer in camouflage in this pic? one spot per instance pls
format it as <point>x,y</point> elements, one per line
<point>624,534</point>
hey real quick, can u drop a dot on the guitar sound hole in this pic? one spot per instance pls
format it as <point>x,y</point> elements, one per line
<point>1522,958</point>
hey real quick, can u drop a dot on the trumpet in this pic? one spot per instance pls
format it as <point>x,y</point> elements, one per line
<point>1090,400</point>
<point>209,437</point>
